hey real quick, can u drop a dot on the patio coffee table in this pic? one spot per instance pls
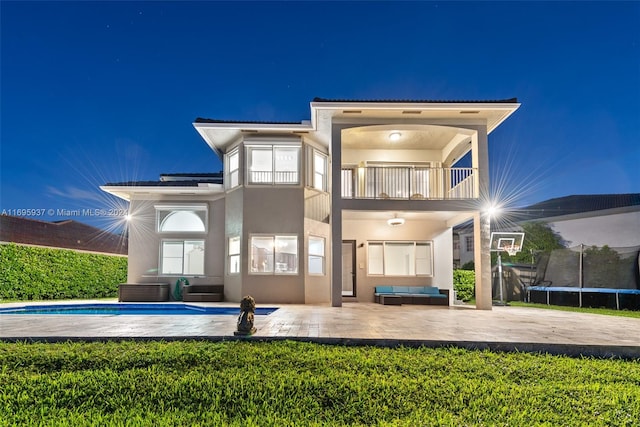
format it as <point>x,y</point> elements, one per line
<point>391,299</point>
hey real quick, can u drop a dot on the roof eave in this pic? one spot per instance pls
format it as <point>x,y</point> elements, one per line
<point>502,110</point>
<point>232,131</point>
<point>126,192</point>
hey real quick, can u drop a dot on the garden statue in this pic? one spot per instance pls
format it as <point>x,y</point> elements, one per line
<point>245,321</point>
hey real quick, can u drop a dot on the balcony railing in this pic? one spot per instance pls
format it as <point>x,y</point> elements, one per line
<point>270,177</point>
<point>409,183</point>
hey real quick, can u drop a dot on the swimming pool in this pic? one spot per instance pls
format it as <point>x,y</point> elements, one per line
<point>130,309</point>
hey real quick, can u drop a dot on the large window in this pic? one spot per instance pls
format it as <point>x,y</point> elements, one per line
<point>182,257</point>
<point>272,254</point>
<point>233,169</point>
<point>272,164</point>
<point>400,259</point>
<point>234,255</point>
<point>316,255</point>
<point>181,218</point>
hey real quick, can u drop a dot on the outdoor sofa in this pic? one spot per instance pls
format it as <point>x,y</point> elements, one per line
<point>397,295</point>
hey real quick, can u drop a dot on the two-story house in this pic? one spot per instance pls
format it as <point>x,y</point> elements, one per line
<point>365,193</point>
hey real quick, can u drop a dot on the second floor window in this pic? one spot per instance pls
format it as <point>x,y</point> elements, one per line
<point>272,164</point>
<point>319,171</point>
<point>233,169</point>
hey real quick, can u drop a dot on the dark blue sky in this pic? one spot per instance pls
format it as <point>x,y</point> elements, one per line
<point>96,92</point>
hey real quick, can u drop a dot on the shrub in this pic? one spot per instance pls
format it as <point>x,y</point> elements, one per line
<point>468,266</point>
<point>36,273</point>
<point>464,283</point>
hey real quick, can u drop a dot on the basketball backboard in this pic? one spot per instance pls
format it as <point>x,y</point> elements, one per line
<point>507,242</point>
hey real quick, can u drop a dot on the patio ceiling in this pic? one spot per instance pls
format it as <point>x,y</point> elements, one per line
<point>443,216</point>
<point>409,137</point>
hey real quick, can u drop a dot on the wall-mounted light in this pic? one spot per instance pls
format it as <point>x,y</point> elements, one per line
<point>394,136</point>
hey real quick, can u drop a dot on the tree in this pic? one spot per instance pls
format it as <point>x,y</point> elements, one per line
<point>539,238</point>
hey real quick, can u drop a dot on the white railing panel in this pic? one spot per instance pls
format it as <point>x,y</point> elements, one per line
<point>408,183</point>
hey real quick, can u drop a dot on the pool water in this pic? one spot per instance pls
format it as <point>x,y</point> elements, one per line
<point>130,309</point>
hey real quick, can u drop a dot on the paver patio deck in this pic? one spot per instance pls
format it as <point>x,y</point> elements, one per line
<point>503,328</point>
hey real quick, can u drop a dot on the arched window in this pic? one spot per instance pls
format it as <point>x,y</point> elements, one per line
<point>181,219</point>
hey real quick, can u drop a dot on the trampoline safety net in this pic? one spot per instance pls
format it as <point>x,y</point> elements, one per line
<point>602,270</point>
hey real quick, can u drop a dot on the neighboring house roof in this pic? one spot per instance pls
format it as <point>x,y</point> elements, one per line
<point>568,205</point>
<point>68,234</point>
<point>418,101</point>
<point>577,204</point>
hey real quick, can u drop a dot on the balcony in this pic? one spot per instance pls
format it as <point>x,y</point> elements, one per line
<point>409,183</point>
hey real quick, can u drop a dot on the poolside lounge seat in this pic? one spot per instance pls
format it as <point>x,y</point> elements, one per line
<point>202,293</point>
<point>143,292</point>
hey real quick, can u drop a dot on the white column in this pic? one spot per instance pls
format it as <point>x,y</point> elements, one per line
<point>482,224</point>
<point>336,216</point>
<point>482,260</point>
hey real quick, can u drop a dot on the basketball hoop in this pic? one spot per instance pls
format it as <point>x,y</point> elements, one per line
<point>511,249</point>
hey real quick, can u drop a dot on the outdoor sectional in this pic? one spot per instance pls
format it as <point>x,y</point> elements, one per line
<point>396,295</point>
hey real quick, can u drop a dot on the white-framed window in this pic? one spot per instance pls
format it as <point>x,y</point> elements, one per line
<point>468,240</point>
<point>273,164</point>
<point>316,255</point>
<point>181,218</point>
<point>273,254</point>
<point>319,171</point>
<point>182,257</point>
<point>233,169</point>
<point>234,255</point>
<point>400,258</point>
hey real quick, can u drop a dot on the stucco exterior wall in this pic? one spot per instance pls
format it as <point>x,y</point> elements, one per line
<point>273,211</point>
<point>233,228</point>
<point>615,230</point>
<point>145,241</point>
<point>317,289</point>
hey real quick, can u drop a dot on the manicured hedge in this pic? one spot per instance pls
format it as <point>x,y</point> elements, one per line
<point>464,282</point>
<point>36,273</point>
<point>191,383</point>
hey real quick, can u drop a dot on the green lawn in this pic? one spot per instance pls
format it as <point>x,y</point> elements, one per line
<point>291,384</point>
<point>605,311</point>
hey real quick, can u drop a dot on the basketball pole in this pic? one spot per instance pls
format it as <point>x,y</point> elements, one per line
<point>500,276</point>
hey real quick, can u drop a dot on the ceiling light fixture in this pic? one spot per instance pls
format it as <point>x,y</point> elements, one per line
<point>395,221</point>
<point>394,136</point>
